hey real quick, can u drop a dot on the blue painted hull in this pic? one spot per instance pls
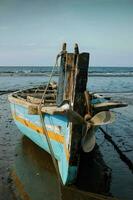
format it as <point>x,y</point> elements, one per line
<point>59,131</point>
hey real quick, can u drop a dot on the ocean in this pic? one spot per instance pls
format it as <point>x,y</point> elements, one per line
<point>100,79</point>
<point>110,71</point>
<point>116,82</point>
<point>92,70</point>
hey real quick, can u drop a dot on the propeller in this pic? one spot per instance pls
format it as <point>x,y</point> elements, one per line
<point>90,127</point>
<point>101,118</point>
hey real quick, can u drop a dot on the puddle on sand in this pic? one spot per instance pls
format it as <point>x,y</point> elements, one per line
<point>34,176</point>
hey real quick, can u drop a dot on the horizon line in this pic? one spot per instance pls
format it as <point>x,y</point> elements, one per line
<point>52,66</point>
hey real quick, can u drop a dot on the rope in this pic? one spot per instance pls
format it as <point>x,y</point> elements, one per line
<point>51,75</point>
<point>45,129</point>
<point>45,132</point>
<point>52,123</point>
<point>56,65</point>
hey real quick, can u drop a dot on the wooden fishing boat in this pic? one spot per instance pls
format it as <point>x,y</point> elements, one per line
<point>63,117</point>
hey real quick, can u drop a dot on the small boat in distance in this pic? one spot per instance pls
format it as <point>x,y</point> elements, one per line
<point>63,117</point>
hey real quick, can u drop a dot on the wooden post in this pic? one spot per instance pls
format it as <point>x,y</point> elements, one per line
<point>60,90</point>
<point>71,86</point>
<point>69,77</point>
<point>79,104</point>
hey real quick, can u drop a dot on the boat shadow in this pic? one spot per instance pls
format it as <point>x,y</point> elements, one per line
<point>35,178</point>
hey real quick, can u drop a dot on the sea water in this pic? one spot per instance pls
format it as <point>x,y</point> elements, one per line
<point>112,81</point>
<point>100,79</point>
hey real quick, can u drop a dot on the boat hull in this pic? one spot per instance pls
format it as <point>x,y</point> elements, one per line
<point>59,131</point>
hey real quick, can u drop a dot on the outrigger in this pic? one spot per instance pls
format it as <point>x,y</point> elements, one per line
<point>63,117</point>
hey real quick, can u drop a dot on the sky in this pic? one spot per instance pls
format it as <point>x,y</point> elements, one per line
<point>32,31</point>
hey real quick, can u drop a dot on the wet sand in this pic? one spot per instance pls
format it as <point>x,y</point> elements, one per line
<point>26,167</point>
<point>9,137</point>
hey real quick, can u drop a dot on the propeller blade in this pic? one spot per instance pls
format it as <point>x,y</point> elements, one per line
<point>102,118</point>
<point>89,140</point>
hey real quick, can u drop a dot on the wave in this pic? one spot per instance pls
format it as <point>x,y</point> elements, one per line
<point>111,74</point>
<point>29,73</point>
<point>41,71</point>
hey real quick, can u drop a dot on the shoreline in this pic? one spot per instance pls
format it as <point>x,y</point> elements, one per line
<point>12,74</point>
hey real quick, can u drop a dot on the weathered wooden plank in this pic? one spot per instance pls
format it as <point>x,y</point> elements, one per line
<point>71,86</point>
<point>108,105</point>
<point>60,89</point>
<point>80,82</point>
<point>82,75</point>
<point>88,105</point>
<point>39,95</point>
<point>69,78</point>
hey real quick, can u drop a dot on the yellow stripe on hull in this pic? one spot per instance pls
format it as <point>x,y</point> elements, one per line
<point>54,136</point>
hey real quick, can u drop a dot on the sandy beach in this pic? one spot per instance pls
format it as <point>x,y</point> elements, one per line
<point>18,154</point>
<point>9,138</point>
<point>24,166</point>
